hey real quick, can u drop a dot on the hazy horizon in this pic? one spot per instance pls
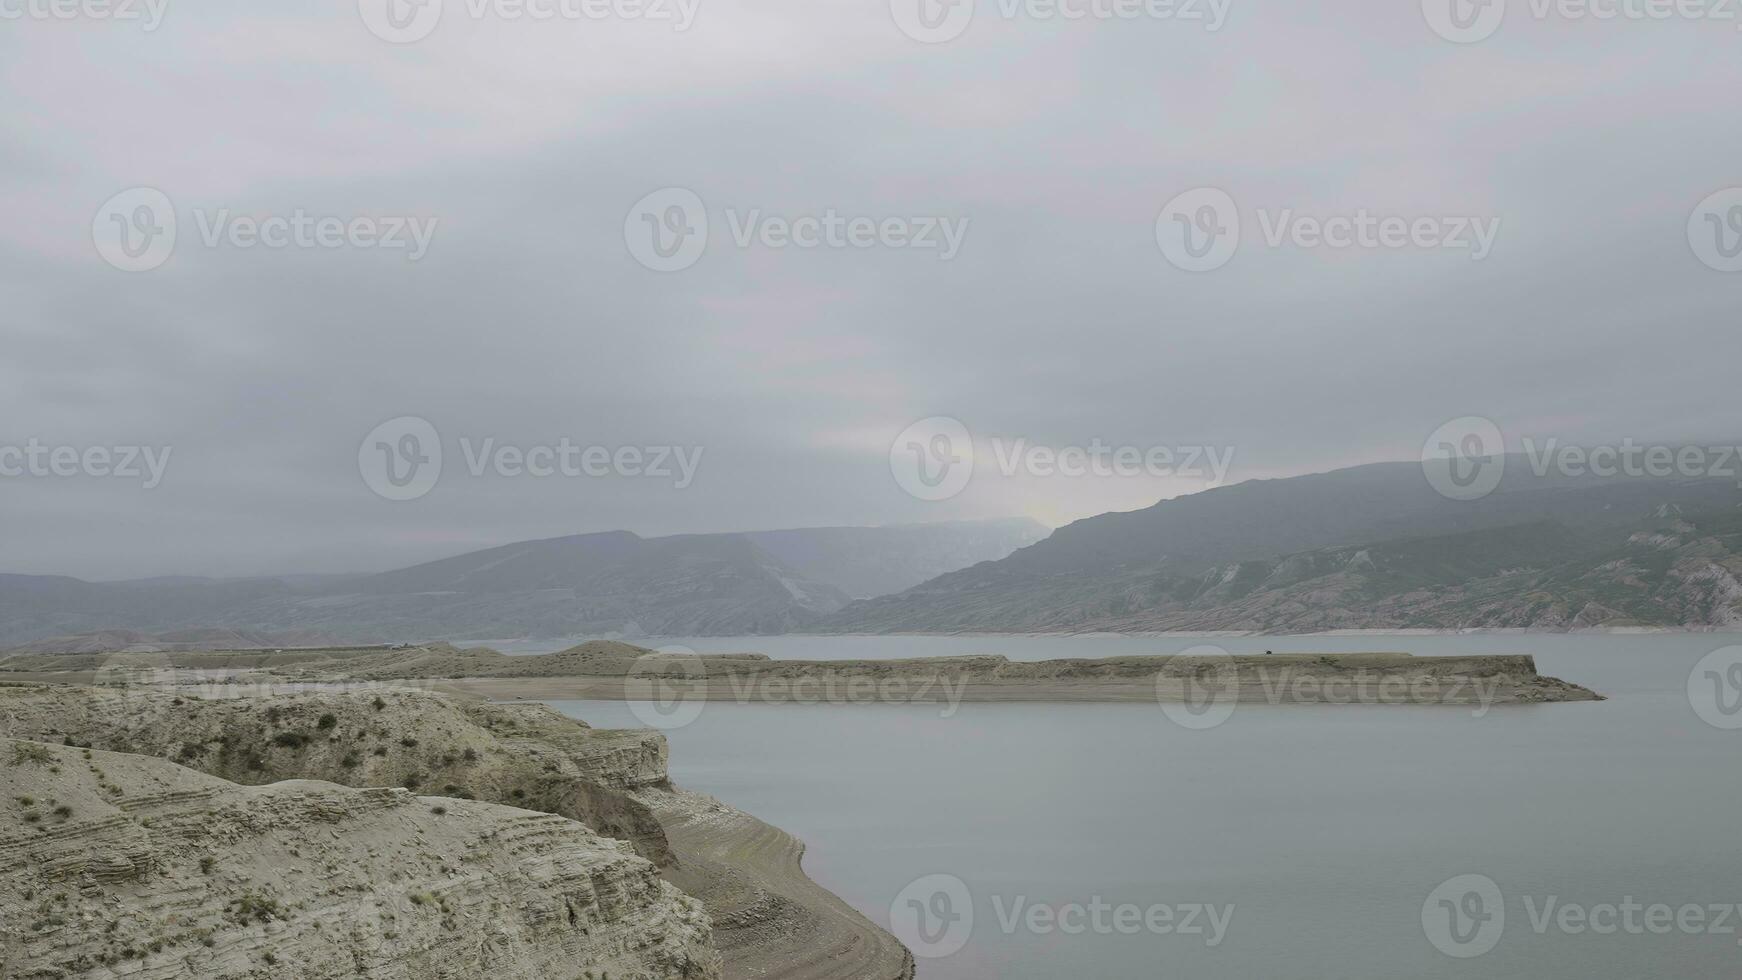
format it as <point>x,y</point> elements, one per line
<point>1016,186</point>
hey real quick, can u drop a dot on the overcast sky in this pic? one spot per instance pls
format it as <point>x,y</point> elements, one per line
<point>1059,319</point>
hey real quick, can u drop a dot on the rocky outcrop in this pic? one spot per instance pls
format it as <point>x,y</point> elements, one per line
<point>774,921</point>
<point>115,864</point>
<point>522,755</point>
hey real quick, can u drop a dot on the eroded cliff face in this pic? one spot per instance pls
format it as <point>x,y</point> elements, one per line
<point>522,755</point>
<point>774,921</point>
<point>115,864</point>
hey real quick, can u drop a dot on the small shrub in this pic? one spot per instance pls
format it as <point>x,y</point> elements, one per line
<point>378,704</point>
<point>30,752</point>
<point>408,742</point>
<point>351,760</point>
<point>327,722</point>
<point>254,907</point>
<point>290,740</point>
<point>471,755</point>
<point>207,863</point>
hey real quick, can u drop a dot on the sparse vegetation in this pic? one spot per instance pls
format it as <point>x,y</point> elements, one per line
<point>30,753</point>
<point>255,907</point>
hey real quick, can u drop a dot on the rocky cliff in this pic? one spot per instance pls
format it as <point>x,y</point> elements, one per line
<point>114,864</point>
<point>774,921</point>
<point>526,756</point>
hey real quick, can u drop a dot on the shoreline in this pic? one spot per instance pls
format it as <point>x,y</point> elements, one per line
<point>613,672</point>
<point>771,919</point>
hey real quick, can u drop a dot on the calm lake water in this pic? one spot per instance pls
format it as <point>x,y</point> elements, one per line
<point>1326,828</point>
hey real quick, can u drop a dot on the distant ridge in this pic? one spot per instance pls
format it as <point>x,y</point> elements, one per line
<point>1367,547</point>
<point>609,583</point>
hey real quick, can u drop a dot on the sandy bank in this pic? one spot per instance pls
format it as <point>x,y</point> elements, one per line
<point>1353,678</point>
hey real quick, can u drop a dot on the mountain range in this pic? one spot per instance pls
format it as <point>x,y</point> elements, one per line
<point>1372,547</point>
<point>608,583</point>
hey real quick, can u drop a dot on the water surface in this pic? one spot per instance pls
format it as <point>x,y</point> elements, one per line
<point>1325,827</point>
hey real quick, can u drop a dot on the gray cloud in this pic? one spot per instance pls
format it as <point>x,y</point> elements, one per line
<point>1060,321</point>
